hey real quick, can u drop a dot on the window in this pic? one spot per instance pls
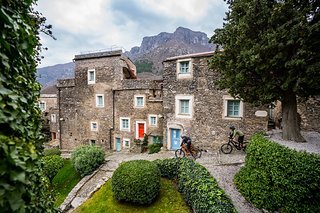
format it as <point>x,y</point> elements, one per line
<point>125,124</point>
<point>153,120</point>
<point>99,100</point>
<point>183,106</point>
<point>94,126</point>
<point>91,76</point>
<point>42,105</point>
<point>53,118</point>
<point>126,143</point>
<point>139,101</point>
<point>233,108</point>
<point>184,68</point>
<point>92,142</point>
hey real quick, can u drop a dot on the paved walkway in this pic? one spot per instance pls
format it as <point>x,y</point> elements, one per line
<point>221,166</point>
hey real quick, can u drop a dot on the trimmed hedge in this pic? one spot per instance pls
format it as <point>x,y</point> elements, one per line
<point>86,159</point>
<point>136,181</point>
<point>52,165</point>
<point>277,178</point>
<point>169,168</point>
<point>199,189</point>
<point>51,151</point>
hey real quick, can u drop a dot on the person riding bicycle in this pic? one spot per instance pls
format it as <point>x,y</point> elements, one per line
<point>186,141</point>
<point>235,132</point>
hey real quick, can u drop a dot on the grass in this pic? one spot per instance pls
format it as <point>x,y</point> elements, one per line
<point>169,200</point>
<point>64,182</point>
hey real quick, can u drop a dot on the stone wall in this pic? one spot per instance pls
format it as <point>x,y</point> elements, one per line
<point>208,128</point>
<point>78,101</point>
<point>125,107</point>
<point>310,114</point>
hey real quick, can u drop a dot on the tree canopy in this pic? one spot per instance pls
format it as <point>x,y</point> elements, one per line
<point>270,51</point>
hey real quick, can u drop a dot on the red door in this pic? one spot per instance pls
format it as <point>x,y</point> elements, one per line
<point>140,130</point>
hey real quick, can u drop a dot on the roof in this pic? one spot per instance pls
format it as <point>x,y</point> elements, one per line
<point>98,54</point>
<point>193,55</point>
<point>49,90</point>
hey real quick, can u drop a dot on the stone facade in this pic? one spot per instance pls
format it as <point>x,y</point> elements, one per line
<point>207,124</point>
<point>105,104</point>
<point>48,104</point>
<point>137,116</point>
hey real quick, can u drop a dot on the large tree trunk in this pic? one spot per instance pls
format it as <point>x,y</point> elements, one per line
<point>290,126</point>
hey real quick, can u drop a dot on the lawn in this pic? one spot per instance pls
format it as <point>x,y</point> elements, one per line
<point>169,200</point>
<point>64,182</point>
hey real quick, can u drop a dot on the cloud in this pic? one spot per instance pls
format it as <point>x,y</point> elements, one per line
<point>82,25</point>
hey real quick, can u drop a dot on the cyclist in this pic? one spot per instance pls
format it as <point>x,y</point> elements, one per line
<point>186,141</point>
<point>235,132</point>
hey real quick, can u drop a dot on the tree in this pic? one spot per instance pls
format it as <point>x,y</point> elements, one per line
<point>23,188</point>
<point>271,51</point>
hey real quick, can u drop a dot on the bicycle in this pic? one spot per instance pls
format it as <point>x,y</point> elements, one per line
<point>194,151</point>
<point>227,148</point>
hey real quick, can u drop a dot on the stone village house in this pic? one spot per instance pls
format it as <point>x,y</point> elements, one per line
<point>105,104</point>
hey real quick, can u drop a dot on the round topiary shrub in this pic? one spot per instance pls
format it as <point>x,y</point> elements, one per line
<point>52,165</point>
<point>136,182</point>
<point>86,159</point>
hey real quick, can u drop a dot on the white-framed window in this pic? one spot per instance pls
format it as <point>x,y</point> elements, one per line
<point>124,124</point>
<point>232,108</point>
<point>53,118</point>
<point>184,106</point>
<point>139,101</point>
<point>184,68</point>
<point>126,143</point>
<point>94,126</point>
<point>42,105</point>
<point>153,120</point>
<point>91,76</point>
<point>99,100</point>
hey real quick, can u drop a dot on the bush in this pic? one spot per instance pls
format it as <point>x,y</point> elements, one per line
<point>169,168</point>
<point>154,148</point>
<point>86,159</point>
<point>199,189</point>
<point>277,178</point>
<point>51,151</point>
<point>136,181</point>
<point>52,165</point>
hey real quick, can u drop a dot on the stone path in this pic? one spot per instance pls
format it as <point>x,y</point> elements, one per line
<point>221,166</point>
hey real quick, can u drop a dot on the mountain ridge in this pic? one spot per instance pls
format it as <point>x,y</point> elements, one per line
<point>148,56</point>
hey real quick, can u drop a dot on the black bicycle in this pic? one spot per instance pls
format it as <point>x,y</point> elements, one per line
<point>228,147</point>
<point>194,151</point>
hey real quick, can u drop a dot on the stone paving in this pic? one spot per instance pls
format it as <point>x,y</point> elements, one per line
<point>218,164</point>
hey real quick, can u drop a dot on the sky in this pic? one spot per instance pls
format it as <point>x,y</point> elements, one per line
<point>81,26</point>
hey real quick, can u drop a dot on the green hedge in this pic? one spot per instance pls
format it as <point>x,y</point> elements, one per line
<point>86,159</point>
<point>154,148</point>
<point>51,151</point>
<point>52,165</point>
<point>280,179</point>
<point>199,189</point>
<point>136,181</point>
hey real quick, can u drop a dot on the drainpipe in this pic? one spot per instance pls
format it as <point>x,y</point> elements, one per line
<point>110,130</point>
<point>59,108</point>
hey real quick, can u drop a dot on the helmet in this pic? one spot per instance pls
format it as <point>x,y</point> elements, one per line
<point>232,127</point>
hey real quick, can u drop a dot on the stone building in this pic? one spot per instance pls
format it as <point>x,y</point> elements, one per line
<point>48,105</point>
<point>105,104</point>
<point>194,106</point>
<point>100,106</point>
